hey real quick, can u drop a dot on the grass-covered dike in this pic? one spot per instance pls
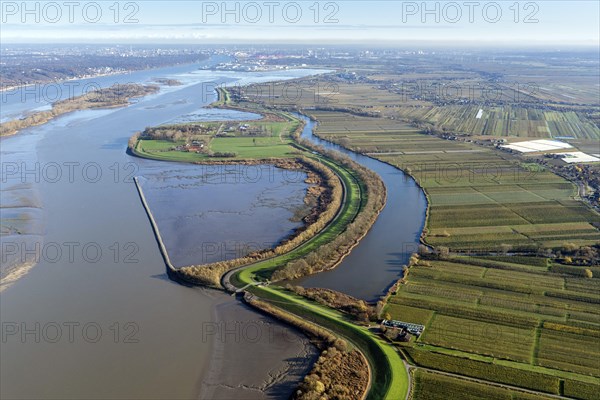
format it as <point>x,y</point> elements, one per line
<point>361,199</point>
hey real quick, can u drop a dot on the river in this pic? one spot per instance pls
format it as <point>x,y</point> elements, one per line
<point>97,317</point>
<point>201,221</point>
<point>377,261</point>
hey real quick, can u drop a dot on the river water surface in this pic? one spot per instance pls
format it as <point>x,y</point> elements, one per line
<point>377,261</point>
<point>201,221</point>
<point>97,317</point>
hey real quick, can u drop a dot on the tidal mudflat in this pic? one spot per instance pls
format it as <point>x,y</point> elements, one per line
<point>209,213</point>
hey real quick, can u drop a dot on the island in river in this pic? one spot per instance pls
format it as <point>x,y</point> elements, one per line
<point>351,198</point>
<point>111,290</point>
<point>115,96</point>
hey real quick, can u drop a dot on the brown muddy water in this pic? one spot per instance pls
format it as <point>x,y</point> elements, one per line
<point>209,213</point>
<point>377,261</point>
<point>97,317</point>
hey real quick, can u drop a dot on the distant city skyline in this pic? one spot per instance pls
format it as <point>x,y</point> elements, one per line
<point>549,23</point>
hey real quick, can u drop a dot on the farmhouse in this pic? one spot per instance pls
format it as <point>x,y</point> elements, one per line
<point>414,329</point>
<point>195,147</point>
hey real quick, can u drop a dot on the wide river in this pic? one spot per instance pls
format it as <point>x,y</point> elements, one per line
<point>97,317</point>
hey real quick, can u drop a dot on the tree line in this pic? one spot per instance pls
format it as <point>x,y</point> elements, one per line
<point>329,254</point>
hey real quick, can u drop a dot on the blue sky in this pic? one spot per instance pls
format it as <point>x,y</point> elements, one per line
<point>549,22</point>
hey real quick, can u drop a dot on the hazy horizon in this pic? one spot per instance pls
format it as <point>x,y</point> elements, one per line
<point>381,23</point>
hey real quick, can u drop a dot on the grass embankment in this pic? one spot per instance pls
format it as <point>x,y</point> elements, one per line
<point>390,379</point>
<point>341,372</point>
<point>350,207</point>
<point>355,308</point>
<point>223,98</point>
<point>114,96</point>
<point>363,191</point>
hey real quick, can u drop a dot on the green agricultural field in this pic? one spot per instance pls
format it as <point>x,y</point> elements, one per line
<point>245,147</point>
<point>507,120</point>
<point>410,314</point>
<point>485,369</point>
<point>434,386</point>
<point>479,198</point>
<point>160,150</point>
<point>499,319</point>
<point>503,319</point>
<point>576,352</point>
<point>487,338</point>
<point>395,98</point>
<point>269,138</point>
<point>469,187</point>
<point>581,390</point>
